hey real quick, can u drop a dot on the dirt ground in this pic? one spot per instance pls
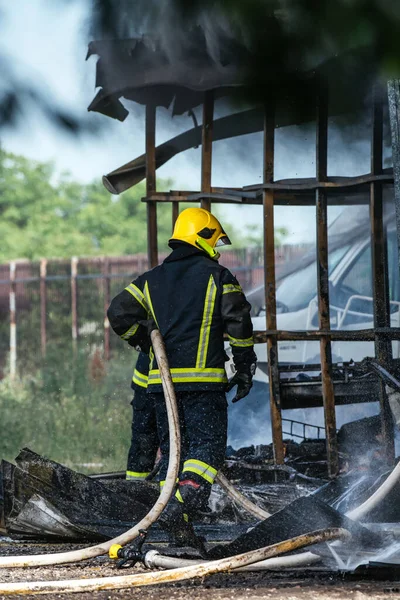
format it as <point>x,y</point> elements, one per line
<point>302,584</point>
<point>288,585</point>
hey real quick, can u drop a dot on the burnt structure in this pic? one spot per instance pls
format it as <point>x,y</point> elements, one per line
<point>139,70</point>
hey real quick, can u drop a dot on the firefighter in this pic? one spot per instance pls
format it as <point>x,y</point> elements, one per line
<point>193,301</point>
<point>144,443</point>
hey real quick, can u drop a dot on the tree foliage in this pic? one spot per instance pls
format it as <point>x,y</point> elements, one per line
<point>42,215</point>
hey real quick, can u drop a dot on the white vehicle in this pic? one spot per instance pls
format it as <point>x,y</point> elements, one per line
<point>351,302</point>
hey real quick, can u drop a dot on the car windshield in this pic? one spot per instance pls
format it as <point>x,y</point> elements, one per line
<point>298,289</point>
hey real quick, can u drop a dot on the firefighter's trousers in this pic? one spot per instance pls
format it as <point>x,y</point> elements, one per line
<point>144,443</point>
<point>203,419</point>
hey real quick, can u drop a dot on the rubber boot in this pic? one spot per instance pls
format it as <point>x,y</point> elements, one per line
<point>181,531</point>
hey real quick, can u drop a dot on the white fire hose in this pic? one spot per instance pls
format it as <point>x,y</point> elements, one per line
<point>199,569</point>
<point>153,560</point>
<point>167,491</point>
<point>174,575</point>
<point>244,502</point>
<point>377,496</point>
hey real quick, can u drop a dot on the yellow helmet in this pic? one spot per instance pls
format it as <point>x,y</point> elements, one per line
<point>198,227</point>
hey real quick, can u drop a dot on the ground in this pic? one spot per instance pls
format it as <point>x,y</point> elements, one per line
<point>316,583</point>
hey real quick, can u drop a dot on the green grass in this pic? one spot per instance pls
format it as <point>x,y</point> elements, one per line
<point>73,409</point>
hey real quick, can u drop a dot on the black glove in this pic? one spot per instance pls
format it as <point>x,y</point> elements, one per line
<point>141,341</point>
<point>244,381</point>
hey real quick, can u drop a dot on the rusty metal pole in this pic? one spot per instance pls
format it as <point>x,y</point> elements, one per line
<point>74,301</point>
<point>270,287</point>
<point>380,283</point>
<point>107,300</point>
<point>152,243</point>
<point>13,323</point>
<point>43,307</point>
<point>206,147</point>
<point>323,282</point>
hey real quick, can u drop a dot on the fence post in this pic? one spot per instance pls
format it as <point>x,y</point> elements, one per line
<point>43,332</point>
<point>107,300</point>
<point>13,323</point>
<point>74,299</point>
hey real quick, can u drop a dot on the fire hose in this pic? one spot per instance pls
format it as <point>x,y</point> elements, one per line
<point>244,502</point>
<point>360,511</point>
<point>167,491</point>
<point>174,575</point>
<point>195,570</point>
<point>153,560</point>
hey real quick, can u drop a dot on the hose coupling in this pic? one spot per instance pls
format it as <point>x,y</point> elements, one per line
<point>131,554</point>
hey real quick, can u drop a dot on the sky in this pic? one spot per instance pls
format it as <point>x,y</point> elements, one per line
<point>51,52</point>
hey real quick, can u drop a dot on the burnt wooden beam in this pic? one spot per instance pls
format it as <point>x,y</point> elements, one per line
<point>206,147</point>
<point>152,244</point>
<point>106,303</point>
<point>43,307</point>
<point>356,335</point>
<point>270,283</point>
<point>323,281</point>
<point>329,183</point>
<point>394,115</point>
<point>380,283</point>
<point>175,213</point>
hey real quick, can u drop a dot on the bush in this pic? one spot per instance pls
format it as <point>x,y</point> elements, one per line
<point>74,409</point>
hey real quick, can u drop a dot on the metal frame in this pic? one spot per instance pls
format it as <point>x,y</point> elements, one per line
<point>326,190</point>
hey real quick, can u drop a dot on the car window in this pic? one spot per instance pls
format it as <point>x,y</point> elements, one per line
<point>298,289</point>
<point>358,279</point>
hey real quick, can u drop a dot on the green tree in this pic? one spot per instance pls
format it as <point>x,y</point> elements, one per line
<point>42,215</point>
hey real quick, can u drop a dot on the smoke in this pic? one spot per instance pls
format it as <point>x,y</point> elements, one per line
<point>388,552</point>
<point>249,421</point>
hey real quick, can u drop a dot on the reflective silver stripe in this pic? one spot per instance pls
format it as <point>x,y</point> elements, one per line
<point>241,343</point>
<point>228,288</point>
<point>130,332</point>
<point>206,323</point>
<point>138,295</point>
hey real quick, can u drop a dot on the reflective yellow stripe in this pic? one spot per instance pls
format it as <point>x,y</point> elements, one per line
<point>201,468</point>
<point>130,332</point>
<point>244,343</point>
<point>178,496</point>
<point>191,375</point>
<point>149,302</point>
<point>162,482</point>
<point>138,295</point>
<point>151,358</point>
<point>228,288</point>
<point>140,378</point>
<point>133,475</point>
<point>206,323</point>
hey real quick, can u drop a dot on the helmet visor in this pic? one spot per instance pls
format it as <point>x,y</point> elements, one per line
<point>223,241</point>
